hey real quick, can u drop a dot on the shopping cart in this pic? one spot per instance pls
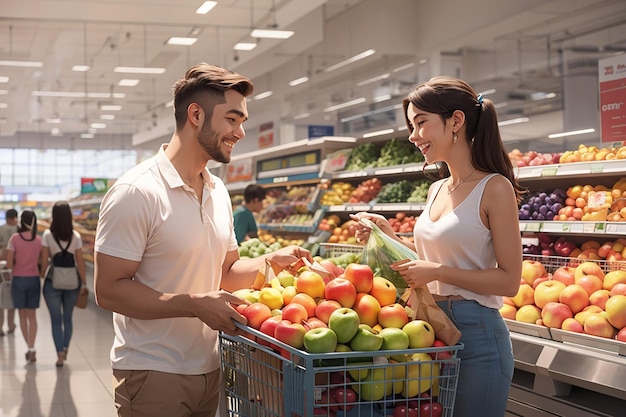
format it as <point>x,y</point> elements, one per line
<point>6,300</point>
<point>267,378</point>
<point>333,250</point>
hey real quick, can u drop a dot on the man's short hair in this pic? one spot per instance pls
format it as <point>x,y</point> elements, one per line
<point>11,214</point>
<point>253,191</point>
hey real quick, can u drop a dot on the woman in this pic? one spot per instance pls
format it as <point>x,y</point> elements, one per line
<point>23,256</point>
<point>467,237</point>
<point>61,302</point>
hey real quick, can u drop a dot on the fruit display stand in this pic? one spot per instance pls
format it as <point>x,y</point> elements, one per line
<point>261,382</point>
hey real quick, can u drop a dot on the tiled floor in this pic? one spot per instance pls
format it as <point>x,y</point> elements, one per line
<point>80,388</point>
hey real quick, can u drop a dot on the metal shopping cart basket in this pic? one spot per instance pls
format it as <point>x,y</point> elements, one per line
<point>267,378</point>
<point>333,250</point>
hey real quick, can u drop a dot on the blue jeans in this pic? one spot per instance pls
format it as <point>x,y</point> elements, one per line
<point>486,360</point>
<point>61,306</point>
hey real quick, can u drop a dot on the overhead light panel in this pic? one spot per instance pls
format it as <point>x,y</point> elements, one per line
<point>182,41</point>
<point>55,131</point>
<point>374,79</point>
<point>404,67</point>
<point>301,116</point>
<point>377,133</point>
<point>98,125</point>
<point>350,60</point>
<point>271,34</point>
<point>128,82</point>
<point>4,92</point>
<point>346,104</point>
<point>263,95</point>
<point>244,46</point>
<point>76,94</point>
<point>383,97</point>
<point>53,120</point>
<point>26,64</point>
<point>107,117</point>
<point>4,79</point>
<point>87,136</point>
<point>4,105</point>
<point>110,107</point>
<point>80,68</point>
<point>514,121</point>
<point>298,81</point>
<point>571,133</point>
<point>206,7</point>
<point>139,70</point>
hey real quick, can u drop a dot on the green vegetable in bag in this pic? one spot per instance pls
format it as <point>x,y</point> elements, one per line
<point>381,251</point>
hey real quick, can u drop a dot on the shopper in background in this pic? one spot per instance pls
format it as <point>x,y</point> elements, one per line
<point>61,302</point>
<point>6,231</point>
<point>23,258</point>
<point>166,255</point>
<point>467,237</point>
<point>245,224</point>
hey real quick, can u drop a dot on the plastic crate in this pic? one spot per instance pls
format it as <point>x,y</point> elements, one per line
<point>552,263</point>
<point>333,250</point>
<point>261,382</point>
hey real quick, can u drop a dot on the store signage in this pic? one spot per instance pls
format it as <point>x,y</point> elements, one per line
<point>266,135</point>
<point>95,185</point>
<point>612,77</point>
<point>237,171</point>
<point>318,131</point>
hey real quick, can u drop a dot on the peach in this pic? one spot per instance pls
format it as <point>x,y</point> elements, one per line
<point>590,283</point>
<point>597,324</point>
<point>575,297</point>
<point>554,313</point>
<point>572,325</point>
<point>507,311</point>
<point>599,298</point>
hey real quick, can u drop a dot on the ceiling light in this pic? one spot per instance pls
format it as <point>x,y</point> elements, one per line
<point>487,92</point>
<point>350,60</point>
<point>55,131</point>
<point>244,46</point>
<point>182,41</point>
<point>377,133</point>
<point>53,120</point>
<point>29,64</point>
<point>4,79</point>
<point>4,92</point>
<point>80,68</point>
<point>302,116</point>
<point>170,103</point>
<point>110,107</point>
<point>107,116</point>
<point>298,81</point>
<point>76,94</point>
<point>263,95</point>
<point>404,67</point>
<point>514,121</point>
<point>271,33</point>
<point>139,70</point>
<point>4,105</point>
<point>374,79</point>
<point>401,128</point>
<point>571,133</point>
<point>86,135</point>
<point>128,82</point>
<point>98,125</point>
<point>383,97</point>
<point>206,7</point>
<point>541,96</point>
<point>346,104</point>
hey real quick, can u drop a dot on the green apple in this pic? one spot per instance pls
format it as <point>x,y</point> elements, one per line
<point>421,334</point>
<point>247,294</point>
<point>344,322</point>
<point>394,339</point>
<point>320,340</point>
<point>373,386</point>
<point>364,339</point>
<point>285,278</point>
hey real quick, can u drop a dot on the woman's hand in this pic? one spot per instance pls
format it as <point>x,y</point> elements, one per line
<point>416,273</point>
<point>362,232</point>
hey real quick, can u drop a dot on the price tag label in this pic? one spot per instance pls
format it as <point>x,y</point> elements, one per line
<point>616,228</point>
<point>597,168</point>
<point>599,227</point>
<point>548,172</point>
<point>576,227</point>
<point>566,227</point>
<point>589,227</point>
<point>534,227</point>
<point>280,179</point>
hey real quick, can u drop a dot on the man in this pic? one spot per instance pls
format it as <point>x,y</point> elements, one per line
<point>6,231</point>
<point>166,255</point>
<point>245,224</point>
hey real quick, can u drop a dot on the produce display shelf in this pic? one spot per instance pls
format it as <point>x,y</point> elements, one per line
<point>332,250</point>
<point>552,263</point>
<point>573,169</point>
<point>574,227</point>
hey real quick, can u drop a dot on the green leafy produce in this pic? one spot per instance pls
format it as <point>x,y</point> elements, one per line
<point>397,192</point>
<point>398,152</point>
<point>363,156</point>
<point>420,192</point>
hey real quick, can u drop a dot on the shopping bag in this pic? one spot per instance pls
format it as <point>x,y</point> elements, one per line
<point>63,278</point>
<point>81,301</point>
<point>424,307</point>
<point>6,300</point>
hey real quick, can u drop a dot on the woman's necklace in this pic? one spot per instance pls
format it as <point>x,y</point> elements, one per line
<point>450,189</point>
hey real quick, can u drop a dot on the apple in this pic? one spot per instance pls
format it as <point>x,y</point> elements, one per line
<point>599,298</point>
<point>539,281</point>
<point>325,308</point>
<point>345,397</point>
<point>621,335</point>
<point>565,274</point>
<point>345,323</point>
<point>525,295</point>
<point>285,278</point>
<point>614,277</point>
<point>373,386</point>
<point>405,410</point>
<point>590,283</point>
<point>268,327</point>
<point>393,315</point>
<point>359,370</point>
<point>256,314</point>
<point>531,270</point>
<point>446,354</point>
<point>554,313</point>
<point>589,268</point>
<point>361,276</point>
<point>597,324</point>
<point>241,307</point>
<point>247,294</point>
<point>333,270</point>
<point>384,291</point>
<point>615,308</point>
<point>575,297</point>
<point>342,290</point>
<point>295,313</point>
<point>421,334</point>
<point>326,404</point>
<point>572,325</point>
<point>365,339</point>
<point>320,340</point>
<point>310,283</point>
<point>618,288</point>
<point>394,339</point>
<point>288,294</point>
<point>529,313</point>
<point>314,323</point>
<point>290,333</point>
<point>271,297</point>
<point>275,283</point>
<point>420,374</point>
<point>508,311</point>
<point>582,315</point>
<point>547,292</point>
<point>307,301</point>
<point>507,300</point>
<point>434,409</point>
<point>367,307</point>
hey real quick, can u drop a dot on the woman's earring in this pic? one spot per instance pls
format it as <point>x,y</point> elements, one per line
<point>454,137</point>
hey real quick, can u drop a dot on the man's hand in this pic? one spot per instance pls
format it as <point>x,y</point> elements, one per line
<point>217,310</point>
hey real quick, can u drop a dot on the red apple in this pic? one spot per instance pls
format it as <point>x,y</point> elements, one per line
<point>256,313</point>
<point>290,333</point>
<point>307,301</point>
<point>393,315</point>
<point>616,311</point>
<point>591,283</point>
<point>446,354</point>
<point>344,397</point>
<point>361,276</point>
<point>327,404</point>
<point>539,281</point>
<point>575,297</point>
<point>621,335</point>
<point>597,324</point>
<point>405,410</point>
<point>565,274</point>
<point>547,292</point>
<point>333,270</point>
<point>384,291</point>
<point>342,290</point>
<point>367,307</point>
<point>572,325</point>
<point>589,268</point>
<point>618,288</point>
<point>314,323</point>
<point>531,270</point>
<point>268,327</point>
<point>295,313</point>
<point>599,298</point>
<point>433,409</point>
<point>553,314</point>
<point>325,308</point>
<point>311,283</point>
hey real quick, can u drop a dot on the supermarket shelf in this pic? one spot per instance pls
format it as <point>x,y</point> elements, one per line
<point>573,169</point>
<point>575,227</point>
<point>378,207</point>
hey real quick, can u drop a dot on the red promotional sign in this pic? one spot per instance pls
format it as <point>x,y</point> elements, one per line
<point>612,77</point>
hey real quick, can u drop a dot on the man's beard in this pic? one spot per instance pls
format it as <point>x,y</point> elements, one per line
<point>210,141</point>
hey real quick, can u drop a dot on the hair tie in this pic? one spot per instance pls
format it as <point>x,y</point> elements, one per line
<point>480,99</point>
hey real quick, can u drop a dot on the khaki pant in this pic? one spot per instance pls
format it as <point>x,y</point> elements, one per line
<point>154,393</point>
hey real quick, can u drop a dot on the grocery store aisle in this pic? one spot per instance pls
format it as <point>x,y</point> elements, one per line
<point>82,387</point>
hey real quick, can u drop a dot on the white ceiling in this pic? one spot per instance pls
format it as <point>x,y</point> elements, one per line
<point>517,47</point>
